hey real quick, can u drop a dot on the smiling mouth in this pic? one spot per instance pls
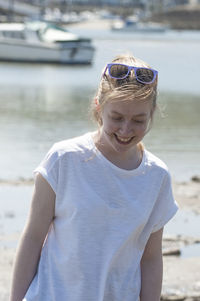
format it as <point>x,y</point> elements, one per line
<point>123,140</point>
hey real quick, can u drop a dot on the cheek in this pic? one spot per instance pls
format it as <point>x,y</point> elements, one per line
<point>109,125</point>
<point>141,129</point>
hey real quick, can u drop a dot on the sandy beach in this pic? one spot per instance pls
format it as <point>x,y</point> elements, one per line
<point>181,275</point>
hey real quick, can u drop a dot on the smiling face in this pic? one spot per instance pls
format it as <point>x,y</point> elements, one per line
<point>124,124</point>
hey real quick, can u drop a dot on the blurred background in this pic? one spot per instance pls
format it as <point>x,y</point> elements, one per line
<point>51,57</point>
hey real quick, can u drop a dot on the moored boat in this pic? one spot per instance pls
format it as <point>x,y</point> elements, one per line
<point>41,42</point>
<point>132,24</point>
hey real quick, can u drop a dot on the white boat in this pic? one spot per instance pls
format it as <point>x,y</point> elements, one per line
<point>40,42</point>
<point>133,25</point>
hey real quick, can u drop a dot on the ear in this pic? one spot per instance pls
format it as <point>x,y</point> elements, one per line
<point>96,101</point>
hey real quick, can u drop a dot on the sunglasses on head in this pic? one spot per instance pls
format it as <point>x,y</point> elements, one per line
<point>121,71</point>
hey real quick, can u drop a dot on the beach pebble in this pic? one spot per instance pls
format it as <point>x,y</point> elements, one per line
<point>172,297</point>
<point>196,179</point>
<point>171,251</point>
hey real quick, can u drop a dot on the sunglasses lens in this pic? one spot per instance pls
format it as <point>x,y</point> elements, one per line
<point>144,75</point>
<point>118,71</point>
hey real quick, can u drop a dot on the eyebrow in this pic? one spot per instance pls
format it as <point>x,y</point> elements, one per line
<point>138,115</point>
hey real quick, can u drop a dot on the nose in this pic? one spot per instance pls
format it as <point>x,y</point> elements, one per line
<point>126,129</point>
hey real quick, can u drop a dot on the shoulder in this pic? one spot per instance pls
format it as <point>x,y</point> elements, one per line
<point>155,164</point>
<point>61,153</point>
<point>80,144</point>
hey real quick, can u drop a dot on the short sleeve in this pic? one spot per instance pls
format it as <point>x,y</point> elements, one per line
<point>49,168</point>
<point>165,207</point>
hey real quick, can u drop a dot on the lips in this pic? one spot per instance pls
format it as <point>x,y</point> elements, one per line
<point>122,140</point>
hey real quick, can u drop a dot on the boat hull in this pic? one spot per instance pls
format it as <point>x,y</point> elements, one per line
<point>139,30</point>
<point>43,53</point>
<point>139,27</point>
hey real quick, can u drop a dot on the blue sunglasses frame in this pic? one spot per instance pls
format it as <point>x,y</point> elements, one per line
<point>129,68</point>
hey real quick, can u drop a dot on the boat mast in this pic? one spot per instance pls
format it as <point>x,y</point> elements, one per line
<point>42,5</point>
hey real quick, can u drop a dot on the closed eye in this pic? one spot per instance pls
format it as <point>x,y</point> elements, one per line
<point>117,118</point>
<point>139,121</point>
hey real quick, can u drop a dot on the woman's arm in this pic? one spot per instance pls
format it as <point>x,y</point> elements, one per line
<point>152,268</point>
<point>28,252</point>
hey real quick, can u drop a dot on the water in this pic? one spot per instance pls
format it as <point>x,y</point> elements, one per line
<point>190,251</point>
<point>41,104</point>
<point>185,223</point>
<point>13,213</point>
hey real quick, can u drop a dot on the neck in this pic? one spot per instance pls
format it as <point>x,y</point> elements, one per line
<point>129,160</point>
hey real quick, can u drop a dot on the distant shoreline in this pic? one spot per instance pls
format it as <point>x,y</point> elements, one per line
<point>17,182</point>
<point>180,18</point>
<point>30,181</point>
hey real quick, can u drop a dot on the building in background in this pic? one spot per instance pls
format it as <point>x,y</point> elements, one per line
<point>16,9</point>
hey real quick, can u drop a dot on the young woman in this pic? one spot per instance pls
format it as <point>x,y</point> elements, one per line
<point>100,203</point>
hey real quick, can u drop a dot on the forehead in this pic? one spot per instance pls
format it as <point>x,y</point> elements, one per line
<point>133,108</point>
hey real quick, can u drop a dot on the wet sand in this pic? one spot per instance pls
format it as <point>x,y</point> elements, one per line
<point>181,275</point>
<point>187,194</point>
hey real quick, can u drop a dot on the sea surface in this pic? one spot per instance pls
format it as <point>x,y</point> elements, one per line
<point>42,104</point>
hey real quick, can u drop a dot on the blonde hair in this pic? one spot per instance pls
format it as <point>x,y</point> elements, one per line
<point>111,89</point>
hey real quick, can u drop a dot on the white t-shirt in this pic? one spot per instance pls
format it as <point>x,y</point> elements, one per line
<point>104,216</point>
